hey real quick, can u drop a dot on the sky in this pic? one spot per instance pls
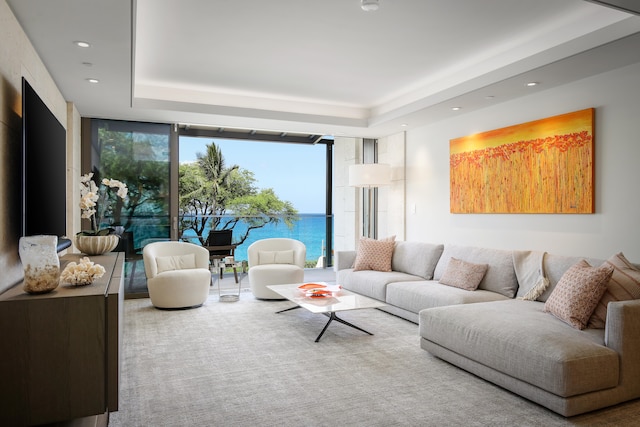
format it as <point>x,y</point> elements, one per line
<point>296,172</point>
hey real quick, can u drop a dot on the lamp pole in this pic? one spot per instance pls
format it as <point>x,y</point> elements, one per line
<point>369,176</point>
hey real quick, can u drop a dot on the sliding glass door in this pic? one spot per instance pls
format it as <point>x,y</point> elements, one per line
<point>137,154</point>
<point>258,190</point>
<point>180,189</point>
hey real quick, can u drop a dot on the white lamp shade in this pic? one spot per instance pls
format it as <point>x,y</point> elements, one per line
<point>369,175</point>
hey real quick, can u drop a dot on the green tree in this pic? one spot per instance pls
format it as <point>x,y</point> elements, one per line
<point>218,197</point>
<point>132,159</point>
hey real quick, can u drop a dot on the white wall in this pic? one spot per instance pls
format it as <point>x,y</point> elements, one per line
<point>391,199</point>
<point>615,225</point>
<point>18,58</point>
<point>347,201</point>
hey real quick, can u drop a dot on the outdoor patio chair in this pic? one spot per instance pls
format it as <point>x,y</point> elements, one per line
<point>221,251</point>
<point>275,261</point>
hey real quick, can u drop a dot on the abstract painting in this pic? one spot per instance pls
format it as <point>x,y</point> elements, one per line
<point>543,166</point>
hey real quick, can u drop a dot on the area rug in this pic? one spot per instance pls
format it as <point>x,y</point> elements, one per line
<point>241,364</point>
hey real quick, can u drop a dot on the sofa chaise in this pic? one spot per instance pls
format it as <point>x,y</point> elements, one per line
<point>494,333</point>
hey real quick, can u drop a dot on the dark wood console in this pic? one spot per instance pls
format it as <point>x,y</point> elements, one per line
<point>60,351</point>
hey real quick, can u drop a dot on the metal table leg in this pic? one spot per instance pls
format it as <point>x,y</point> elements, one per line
<point>332,316</point>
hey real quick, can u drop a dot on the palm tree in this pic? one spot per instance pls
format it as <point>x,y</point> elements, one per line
<point>209,191</point>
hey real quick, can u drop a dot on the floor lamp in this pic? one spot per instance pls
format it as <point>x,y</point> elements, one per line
<point>369,176</point>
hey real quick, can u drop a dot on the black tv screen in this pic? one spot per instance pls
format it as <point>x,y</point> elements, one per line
<point>43,167</point>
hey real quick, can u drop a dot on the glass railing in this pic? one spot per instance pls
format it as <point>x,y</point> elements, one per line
<point>310,229</point>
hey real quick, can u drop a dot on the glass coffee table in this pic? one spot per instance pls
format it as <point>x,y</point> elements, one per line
<point>338,300</point>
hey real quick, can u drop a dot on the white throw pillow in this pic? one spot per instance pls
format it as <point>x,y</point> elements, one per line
<point>175,262</point>
<point>276,257</point>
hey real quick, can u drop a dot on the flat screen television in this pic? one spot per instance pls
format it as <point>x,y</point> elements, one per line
<point>44,167</point>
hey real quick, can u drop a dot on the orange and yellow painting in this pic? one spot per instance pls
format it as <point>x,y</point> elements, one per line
<point>544,166</point>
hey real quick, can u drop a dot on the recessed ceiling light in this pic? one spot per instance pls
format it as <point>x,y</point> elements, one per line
<point>82,44</point>
<point>489,97</point>
<point>404,125</point>
<point>93,80</point>
<point>456,108</point>
<point>531,84</point>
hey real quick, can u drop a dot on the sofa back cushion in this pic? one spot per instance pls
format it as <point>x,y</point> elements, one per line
<point>624,285</point>
<point>555,266</point>
<point>500,276</point>
<point>416,258</point>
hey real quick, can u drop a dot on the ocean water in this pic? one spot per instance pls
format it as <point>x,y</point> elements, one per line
<point>309,229</point>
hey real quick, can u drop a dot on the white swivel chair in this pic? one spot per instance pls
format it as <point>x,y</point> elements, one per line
<point>178,274</point>
<point>275,261</point>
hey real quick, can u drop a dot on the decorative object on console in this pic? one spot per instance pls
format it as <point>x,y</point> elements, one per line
<point>369,176</point>
<point>94,206</point>
<point>40,262</point>
<point>544,166</point>
<point>82,273</point>
<point>96,245</point>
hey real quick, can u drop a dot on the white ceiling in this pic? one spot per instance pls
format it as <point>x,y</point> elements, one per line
<point>325,66</point>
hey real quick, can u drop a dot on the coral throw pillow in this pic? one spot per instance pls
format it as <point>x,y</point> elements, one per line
<point>578,292</point>
<point>623,285</point>
<point>374,254</point>
<point>463,274</point>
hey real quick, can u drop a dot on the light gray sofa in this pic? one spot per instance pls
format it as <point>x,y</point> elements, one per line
<point>510,342</point>
<point>412,285</point>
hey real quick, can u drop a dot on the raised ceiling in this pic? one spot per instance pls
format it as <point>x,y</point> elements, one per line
<point>323,67</point>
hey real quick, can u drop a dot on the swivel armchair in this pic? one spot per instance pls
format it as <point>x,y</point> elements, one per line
<point>275,261</point>
<point>178,274</point>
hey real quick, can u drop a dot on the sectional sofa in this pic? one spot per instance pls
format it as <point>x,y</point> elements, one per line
<point>492,332</point>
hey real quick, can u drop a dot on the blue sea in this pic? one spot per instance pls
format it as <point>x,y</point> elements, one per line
<point>309,229</point>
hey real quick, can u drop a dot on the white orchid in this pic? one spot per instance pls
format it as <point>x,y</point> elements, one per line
<point>90,196</point>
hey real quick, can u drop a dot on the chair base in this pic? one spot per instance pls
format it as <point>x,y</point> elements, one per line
<point>261,276</point>
<point>179,308</point>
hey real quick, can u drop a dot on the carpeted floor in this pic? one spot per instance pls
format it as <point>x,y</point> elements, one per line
<point>240,364</point>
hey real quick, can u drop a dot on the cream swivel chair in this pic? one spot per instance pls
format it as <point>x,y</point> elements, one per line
<point>178,274</point>
<point>275,261</point>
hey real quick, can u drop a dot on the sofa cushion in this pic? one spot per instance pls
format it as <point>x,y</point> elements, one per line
<point>374,254</point>
<point>500,276</point>
<point>623,285</point>
<point>577,293</point>
<point>175,262</point>
<point>417,295</point>
<point>463,275</point>
<point>371,283</point>
<point>416,258</point>
<point>519,339</point>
